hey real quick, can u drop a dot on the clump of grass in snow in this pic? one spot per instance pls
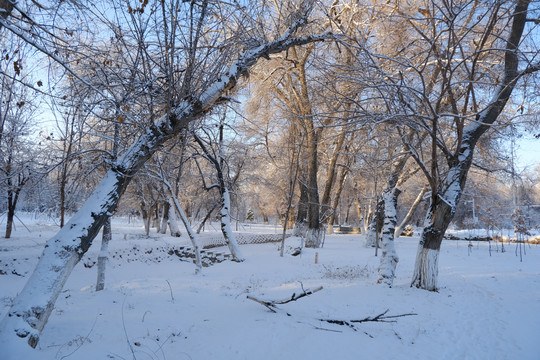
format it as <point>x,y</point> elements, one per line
<point>346,272</point>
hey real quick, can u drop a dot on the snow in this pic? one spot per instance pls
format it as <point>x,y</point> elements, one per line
<point>154,307</point>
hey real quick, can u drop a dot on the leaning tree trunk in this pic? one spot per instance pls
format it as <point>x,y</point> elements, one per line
<point>191,234</point>
<point>32,307</point>
<point>103,255</point>
<point>443,206</point>
<point>407,218</point>
<point>187,225</point>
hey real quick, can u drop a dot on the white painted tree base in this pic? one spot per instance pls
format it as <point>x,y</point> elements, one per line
<point>426,269</point>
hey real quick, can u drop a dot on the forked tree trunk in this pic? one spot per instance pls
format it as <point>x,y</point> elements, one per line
<point>225,201</point>
<point>388,203</point>
<point>326,207</point>
<point>32,307</point>
<point>444,202</point>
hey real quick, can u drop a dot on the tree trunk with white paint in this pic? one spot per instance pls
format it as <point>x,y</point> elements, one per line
<point>189,229</point>
<point>388,203</point>
<point>225,217</point>
<point>389,257</point>
<point>164,217</point>
<point>446,197</point>
<point>375,225</point>
<point>173,220</point>
<point>103,255</point>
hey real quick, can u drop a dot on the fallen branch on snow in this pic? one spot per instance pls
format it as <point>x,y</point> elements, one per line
<point>379,318</point>
<point>382,317</point>
<point>271,305</point>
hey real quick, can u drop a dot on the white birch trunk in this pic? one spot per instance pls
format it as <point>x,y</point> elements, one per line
<point>103,255</point>
<point>173,219</point>
<point>230,238</point>
<point>389,258</point>
<point>313,238</point>
<point>375,225</point>
<point>371,235</point>
<point>189,229</point>
<point>164,218</point>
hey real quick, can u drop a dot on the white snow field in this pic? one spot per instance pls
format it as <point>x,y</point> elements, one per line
<point>155,307</point>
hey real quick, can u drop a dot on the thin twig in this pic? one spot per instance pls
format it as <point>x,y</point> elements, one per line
<point>271,305</point>
<point>170,289</point>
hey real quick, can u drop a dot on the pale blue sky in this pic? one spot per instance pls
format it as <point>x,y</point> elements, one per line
<point>528,152</point>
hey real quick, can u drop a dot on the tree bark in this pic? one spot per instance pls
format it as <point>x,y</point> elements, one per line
<point>375,224</point>
<point>103,255</point>
<point>164,217</point>
<point>313,234</point>
<point>388,203</point>
<point>389,257</point>
<point>9,221</point>
<point>173,219</point>
<point>300,225</point>
<point>325,200</point>
<point>230,238</point>
<point>6,7</point>
<point>337,197</point>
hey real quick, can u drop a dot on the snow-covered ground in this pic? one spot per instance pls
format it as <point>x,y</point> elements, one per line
<point>155,307</point>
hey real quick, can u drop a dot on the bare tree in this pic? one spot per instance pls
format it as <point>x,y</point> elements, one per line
<point>29,313</point>
<point>483,35</point>
<point>216,156</point>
